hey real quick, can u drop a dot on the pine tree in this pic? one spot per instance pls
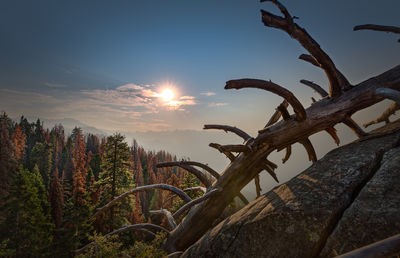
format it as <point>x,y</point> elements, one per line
<point>41,155</point>
<point>18,139</point>
<point>56,200</point>
<point>7,160</point>
<point>27,228</point>
<point>115,179</point>
<point>79,161</point>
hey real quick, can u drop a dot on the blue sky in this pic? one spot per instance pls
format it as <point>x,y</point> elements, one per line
<point>106,63</point>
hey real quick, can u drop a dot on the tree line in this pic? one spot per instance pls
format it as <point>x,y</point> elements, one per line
<point>51,184</point>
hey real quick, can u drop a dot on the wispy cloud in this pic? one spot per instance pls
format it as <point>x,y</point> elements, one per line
<point>217,104</point>
<point>54,85</point>
<point>208,93</point>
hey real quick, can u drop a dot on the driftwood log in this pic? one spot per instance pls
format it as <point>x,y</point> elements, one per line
<point>336,106</point>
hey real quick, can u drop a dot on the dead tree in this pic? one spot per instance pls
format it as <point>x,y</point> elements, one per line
<point>336,106</point>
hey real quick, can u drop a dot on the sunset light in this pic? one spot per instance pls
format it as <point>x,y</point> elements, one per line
<point>167,95</point>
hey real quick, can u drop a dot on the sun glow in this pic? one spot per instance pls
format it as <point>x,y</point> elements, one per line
<point>167,95</point>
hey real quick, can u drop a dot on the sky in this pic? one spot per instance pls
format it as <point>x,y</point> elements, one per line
<point>106,63</point>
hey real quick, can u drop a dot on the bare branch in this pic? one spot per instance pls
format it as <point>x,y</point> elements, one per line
<point>337,82</point>
<point>144,227</point>
<point>288,153</point>
<point>275,117</point>
<point>315,87</point>
<point>168,215</point>
<point>195,201</point>
<point>189,163</point>
<point>310,149</point>
<point>272,87</point>
<point>385,115</point>
<point>234,148</point>
<point>257,183</point>
<point>354,127</point>
<point>170,188</point>
<point>200,175</point>
<point>196,188</point>
<point>270,171</point>
<point>284,112</point>
<point>389,94</point>
<point>384,28</point>
<point>228,128</point>
<point>309,59</point>
<point>332,132</point>
<point>271,164</point>
<point>313,100</point>
<point>217,146</point>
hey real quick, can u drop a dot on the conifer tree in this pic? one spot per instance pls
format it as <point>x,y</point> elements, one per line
<point>56,199</point>
<point>27,228</point>
<point>18,139</point>
<point>7,160</point>
<point>115,179</point>
<point>41,155</point>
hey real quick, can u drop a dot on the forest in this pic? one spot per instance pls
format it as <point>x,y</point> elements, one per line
<point>52,183</point>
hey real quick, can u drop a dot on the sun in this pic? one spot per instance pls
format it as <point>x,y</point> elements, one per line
<point>167,95</point>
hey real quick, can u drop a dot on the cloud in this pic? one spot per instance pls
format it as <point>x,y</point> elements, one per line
<point>208,93</point>
<point>130,87</point>
<point>187,97</point>
<point>218,104</point>
<point>54,85</point>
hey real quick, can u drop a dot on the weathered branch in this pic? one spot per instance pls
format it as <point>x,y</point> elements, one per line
<point>392,29</point>
<point>385,115</point>
<point>272,87</point>
<point>217,146</point>
<point>270,171</point>
<point>275,117</point>
<point>309,59</point>
<point>195,201</point>
<point>337,82</point>
<point>354,127</point>
<point>388,247</point>
<point>312,156</point>
<point>170,188</point>
<point>315,87</point>
<point>288,153</point>
<point>228,128</point>
<point>200,175</point>
<point>332,132</point>
<point>271,164</point>
<point>168,215</point>
<point>144,227</point>
<point>389,94</point>
<point>257,183</point>
<point>189,163</point>
<point>284,112</point>
<point>234,148</point>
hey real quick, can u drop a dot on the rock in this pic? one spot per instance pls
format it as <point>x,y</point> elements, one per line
<point>295,219</point>
<point>374,215</point>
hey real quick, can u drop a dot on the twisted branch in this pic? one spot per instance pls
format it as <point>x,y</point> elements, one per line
<point>332,132</point>
<point>272,87</point>
<point>315,87</point>
<point>168,215</point>
<point>189,163</point>
<point>354,127</point>
<point>217,146</point>
<point>170,188</point>
<point>228,128</point>
<point>275,117</point>
<point>195,201</point>
<point>310,149</point>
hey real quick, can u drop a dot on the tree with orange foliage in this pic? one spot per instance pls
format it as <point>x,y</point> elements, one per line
<point>18,138</point>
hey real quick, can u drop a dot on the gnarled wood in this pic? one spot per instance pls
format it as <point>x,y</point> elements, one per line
<point>270,171</point>
<point>228,128</point>
<point>275,117</point>
<point>315,87</point>
<point>189,163</point>
<point>337,82</point>
<point>332,132</point>
<point>385,115</point>
<point>228,154</point>
<point>287,154</point>
<point>195,189</point>
<point>392,29</point>
<point>309,59</point>
<point>170,188</point>
<point>195,201</point>
<point>168,215</point>
<point>200,175</point>
<point>284,112</point>
<point>312,156</point>
<point>258,187</point>
<point>354,127</point>
<point>272,87</point>
<point>389,94</point>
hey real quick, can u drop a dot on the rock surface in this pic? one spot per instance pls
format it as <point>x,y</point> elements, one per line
<point>344,201</point>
